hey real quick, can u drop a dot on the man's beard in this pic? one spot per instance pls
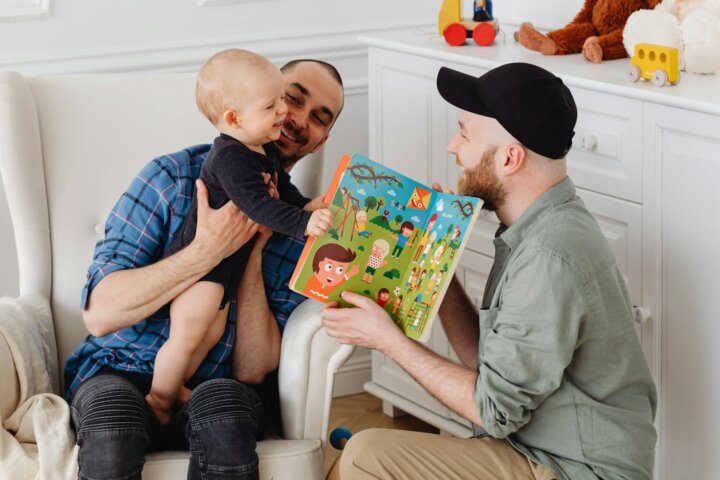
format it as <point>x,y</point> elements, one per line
<point>482,182</point>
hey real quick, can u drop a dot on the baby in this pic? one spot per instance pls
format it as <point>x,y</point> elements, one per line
<point>241,93</point>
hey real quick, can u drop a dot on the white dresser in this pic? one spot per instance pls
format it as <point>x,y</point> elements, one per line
<point>646,161</point>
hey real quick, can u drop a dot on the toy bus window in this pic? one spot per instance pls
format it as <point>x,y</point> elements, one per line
<point>641,53</point>
<point>663,57</point>
<point>652,56</point>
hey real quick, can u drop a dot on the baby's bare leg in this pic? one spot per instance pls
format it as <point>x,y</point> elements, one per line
<point>191,315</point>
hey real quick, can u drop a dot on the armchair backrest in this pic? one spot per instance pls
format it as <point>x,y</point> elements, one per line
<point>69,146</point>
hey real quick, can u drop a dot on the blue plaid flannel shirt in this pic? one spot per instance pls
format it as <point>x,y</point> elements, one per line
<point>136,235</point>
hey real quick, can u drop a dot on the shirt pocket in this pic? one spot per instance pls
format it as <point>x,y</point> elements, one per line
<point>487,322</point>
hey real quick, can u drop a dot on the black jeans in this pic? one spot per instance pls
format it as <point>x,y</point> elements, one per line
<point>115,428</point>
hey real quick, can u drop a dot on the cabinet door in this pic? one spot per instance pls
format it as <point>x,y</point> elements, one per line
<point>621,223</point>
<point>682,192</point>
<point>408,118</point>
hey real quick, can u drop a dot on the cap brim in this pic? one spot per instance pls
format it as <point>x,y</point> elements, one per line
<point>460,89</point>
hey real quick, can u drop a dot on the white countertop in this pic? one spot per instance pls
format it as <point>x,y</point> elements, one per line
<point>694,92</point>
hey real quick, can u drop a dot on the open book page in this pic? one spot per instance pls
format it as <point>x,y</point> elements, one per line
<point>393,239</point>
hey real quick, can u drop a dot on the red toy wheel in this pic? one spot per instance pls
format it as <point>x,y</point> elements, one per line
<point>455,34</point>
<point>484,34</point>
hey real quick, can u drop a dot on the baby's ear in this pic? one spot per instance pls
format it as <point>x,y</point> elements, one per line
<point>231,118</point>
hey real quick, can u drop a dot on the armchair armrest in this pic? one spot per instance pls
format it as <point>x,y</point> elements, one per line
<point>308,362</point>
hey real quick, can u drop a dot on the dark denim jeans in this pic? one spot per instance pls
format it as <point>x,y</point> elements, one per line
<point>115,428</point>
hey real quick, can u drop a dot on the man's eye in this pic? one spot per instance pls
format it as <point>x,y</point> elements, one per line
<point>320,120</point>
<point>328,267</point>
<point>339,270</point>
<point>292,98</point>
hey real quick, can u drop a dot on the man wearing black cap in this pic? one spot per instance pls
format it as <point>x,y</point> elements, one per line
<point>553,377</point>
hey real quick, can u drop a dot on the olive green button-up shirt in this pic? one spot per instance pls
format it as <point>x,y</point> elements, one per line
<point>562,374</point>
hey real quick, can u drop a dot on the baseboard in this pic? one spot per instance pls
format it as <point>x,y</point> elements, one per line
<point>350,378</point>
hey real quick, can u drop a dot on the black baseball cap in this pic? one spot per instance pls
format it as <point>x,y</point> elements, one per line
<point>532,104</point>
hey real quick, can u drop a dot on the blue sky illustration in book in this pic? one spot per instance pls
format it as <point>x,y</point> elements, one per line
<point>402,235</point>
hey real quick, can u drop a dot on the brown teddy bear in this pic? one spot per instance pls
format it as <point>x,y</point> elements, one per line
<point>596,31</point>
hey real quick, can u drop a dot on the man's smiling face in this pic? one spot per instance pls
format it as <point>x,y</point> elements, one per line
<point>314,100</point>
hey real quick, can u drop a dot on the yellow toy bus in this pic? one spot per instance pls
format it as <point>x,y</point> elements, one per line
<point>655,63</point>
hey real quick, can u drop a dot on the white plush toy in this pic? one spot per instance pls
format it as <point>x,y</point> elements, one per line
<point>691,26</point>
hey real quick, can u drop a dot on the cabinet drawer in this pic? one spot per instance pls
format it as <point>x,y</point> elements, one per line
<point>606,156</point>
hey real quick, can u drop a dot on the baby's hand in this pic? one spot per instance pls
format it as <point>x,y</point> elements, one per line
<point>319,223</point>
<point>315,204</point>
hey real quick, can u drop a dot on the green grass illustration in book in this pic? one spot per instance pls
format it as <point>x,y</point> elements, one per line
<point>392,239</point>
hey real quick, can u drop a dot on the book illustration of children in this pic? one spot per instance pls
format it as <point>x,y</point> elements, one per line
<point>242,94</point>
<point>330,270</point>
<point>382,297</point>
<point>411,279</point>
<point>433,297</point>
<point>437,255</point>
<point>380,249</point>
<point>427,248</point>
<point>361,219</point>
<point>396,307</point>
<point>406,229</point>
<point>420,279</point>
<point>431,282</point>
<point>424,239</point>
<point>454,242</point>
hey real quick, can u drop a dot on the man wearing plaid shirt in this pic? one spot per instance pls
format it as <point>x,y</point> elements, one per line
<point>129,286</point>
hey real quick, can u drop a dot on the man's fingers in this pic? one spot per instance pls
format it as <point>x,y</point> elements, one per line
<point>202,194</point>
<point>437,187</point>
<point>357,299</point>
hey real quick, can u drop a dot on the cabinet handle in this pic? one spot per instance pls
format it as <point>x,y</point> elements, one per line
<point>641,314</point>
<point>587,142</point>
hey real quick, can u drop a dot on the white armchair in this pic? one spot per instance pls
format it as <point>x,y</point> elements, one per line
<point>69,146</point>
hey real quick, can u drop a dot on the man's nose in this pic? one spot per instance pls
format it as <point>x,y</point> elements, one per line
<point>299,118</point>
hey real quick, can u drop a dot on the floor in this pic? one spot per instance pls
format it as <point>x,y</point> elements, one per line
<point>363,411</point>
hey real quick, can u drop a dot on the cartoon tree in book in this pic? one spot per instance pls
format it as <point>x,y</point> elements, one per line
<point>380,203</point>
<point>398,219</point>
<point>363,173</point>
<point>465,209</point>
<point>370,202</point>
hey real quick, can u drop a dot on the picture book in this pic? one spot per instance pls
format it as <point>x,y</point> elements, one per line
<point>392,239</point>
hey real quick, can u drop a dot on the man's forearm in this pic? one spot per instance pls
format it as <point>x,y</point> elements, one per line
<point>125,297</point>
<point>452,384</point>
<point>257,342</point>
<point>460,322</point>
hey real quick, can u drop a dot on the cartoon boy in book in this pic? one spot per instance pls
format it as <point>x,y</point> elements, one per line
<point>411,278</point>
<point>424,239</point>
<point>437,255</point>
<point>396,306</point>
<point>406,229</point>
<point>330,270</point>
<point>383,297</point>
<point>380,249</point>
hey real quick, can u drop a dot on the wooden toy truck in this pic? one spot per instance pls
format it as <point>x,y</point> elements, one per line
<point>655,63</point>
<point>482,28</point>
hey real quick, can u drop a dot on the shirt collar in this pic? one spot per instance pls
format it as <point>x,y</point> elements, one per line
<point>559,194</point>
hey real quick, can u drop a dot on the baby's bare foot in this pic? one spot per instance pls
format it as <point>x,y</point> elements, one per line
<point>532,39</point>
<point>592,50</point>
<point>162,413</point>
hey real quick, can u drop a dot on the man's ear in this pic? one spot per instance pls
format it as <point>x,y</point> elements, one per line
<point>515,156</point>
<point>322,142</point>
<point>231,118</point>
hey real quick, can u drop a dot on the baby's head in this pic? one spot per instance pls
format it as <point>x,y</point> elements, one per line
<point>241,93</point>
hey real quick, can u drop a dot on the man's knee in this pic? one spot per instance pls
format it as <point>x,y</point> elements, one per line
<point>367,443</point>
<point>109,415</point>
<point>224,423</point>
